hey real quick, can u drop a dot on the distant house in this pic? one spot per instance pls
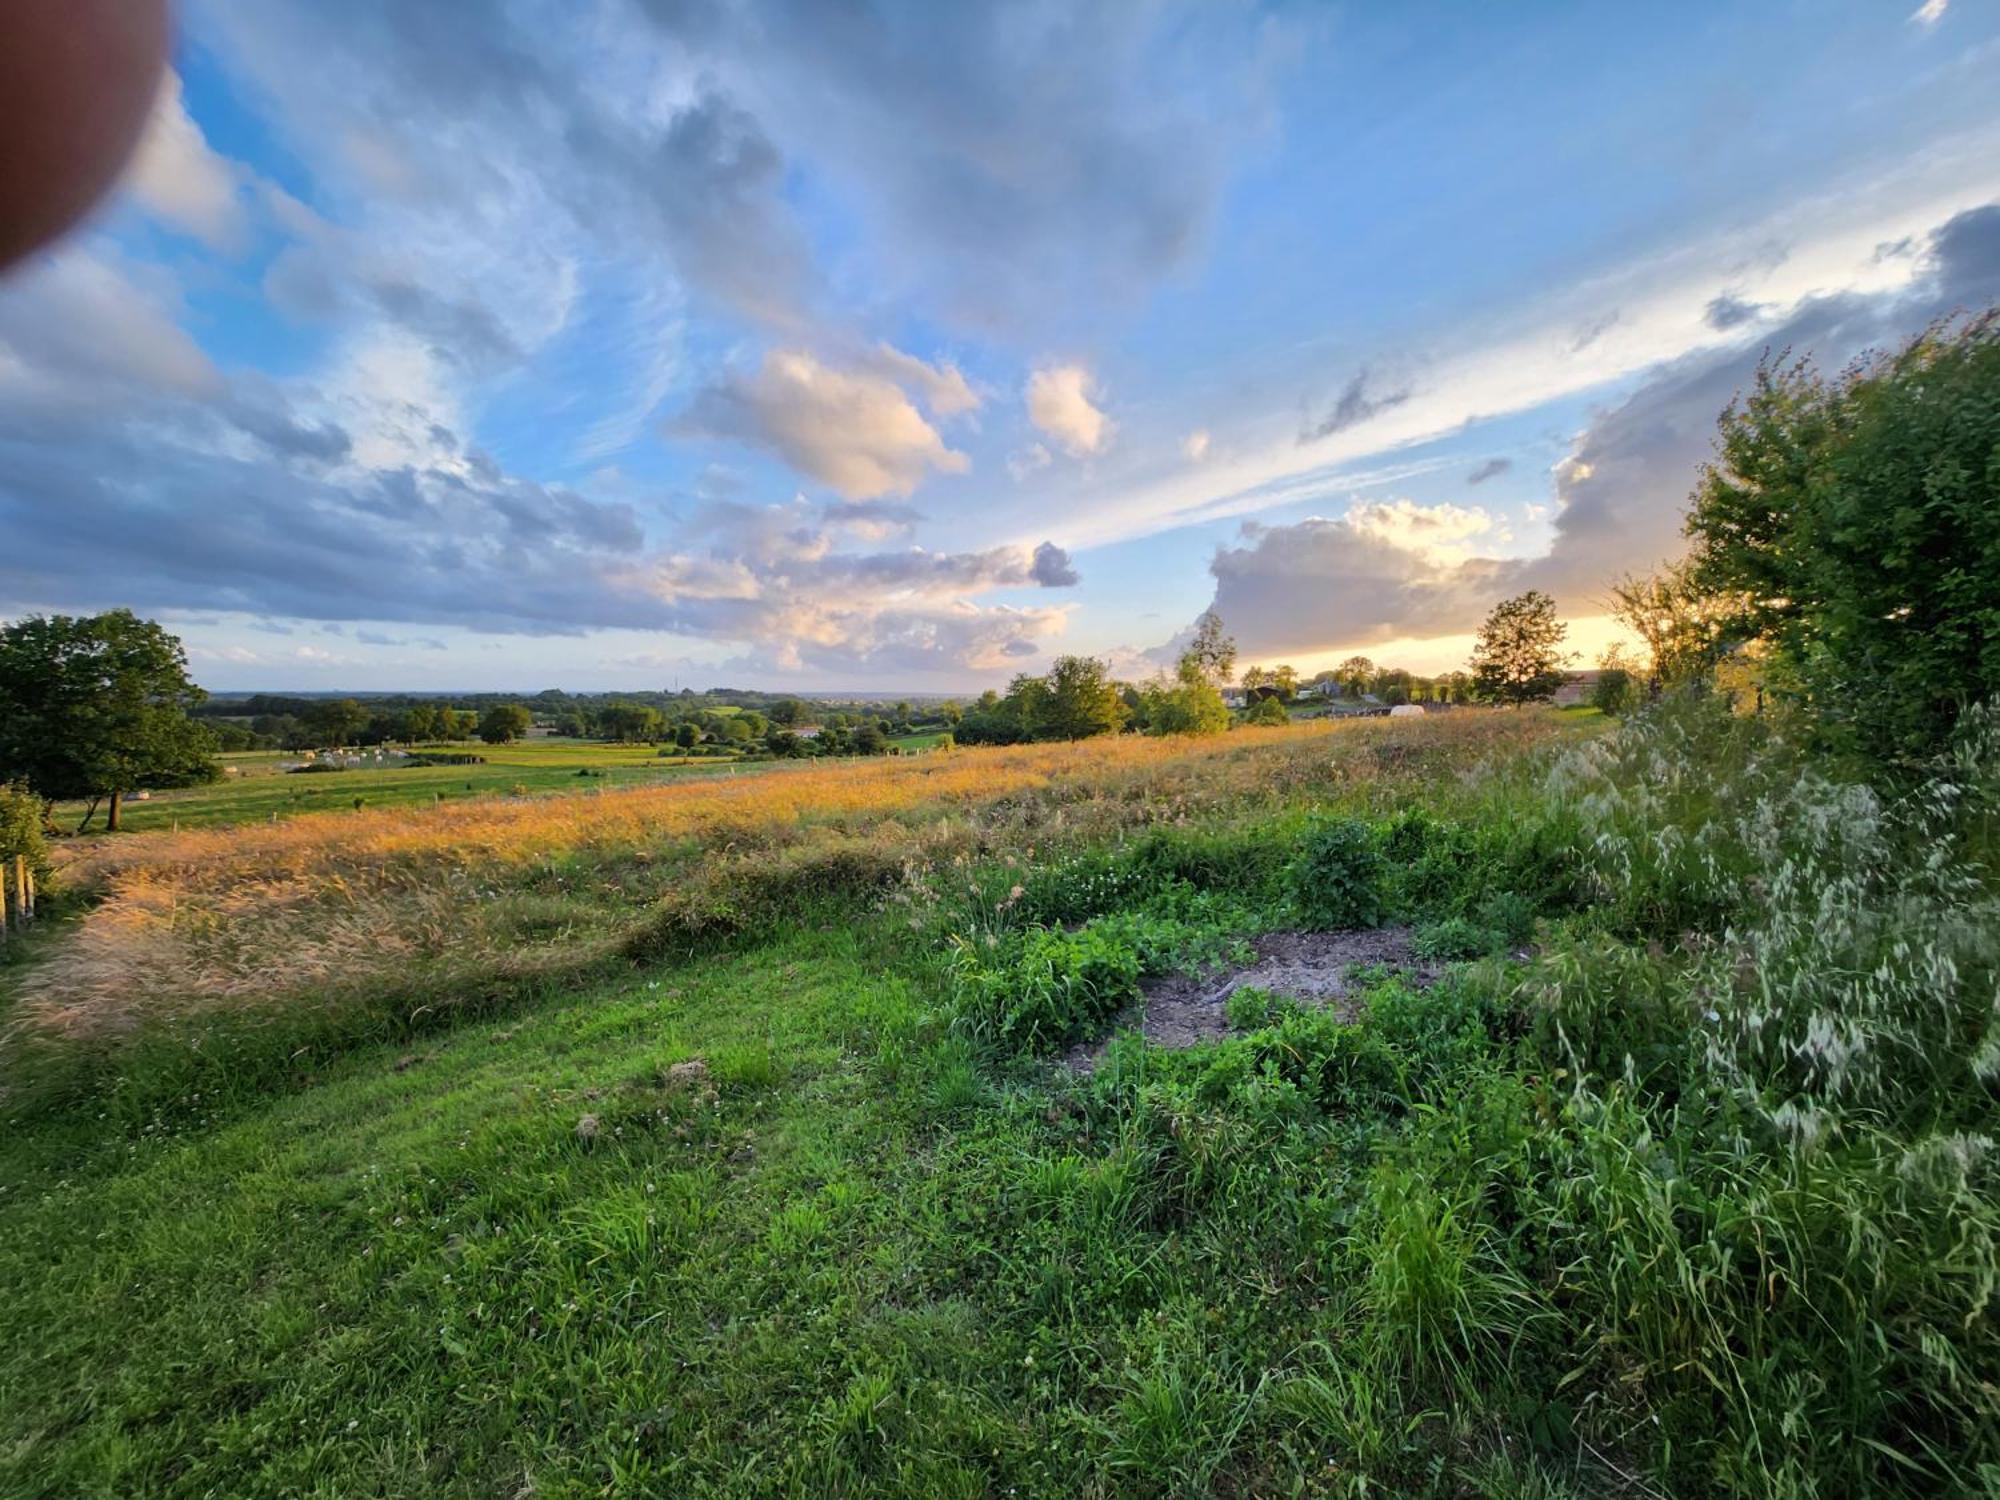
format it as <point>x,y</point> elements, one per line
<point>1577,688</point>
<point>1233,696</point>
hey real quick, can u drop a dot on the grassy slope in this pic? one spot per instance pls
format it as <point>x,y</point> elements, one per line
<point>1458,1248</point>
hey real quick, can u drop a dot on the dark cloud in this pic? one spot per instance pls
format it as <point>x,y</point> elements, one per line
<point>1023,165</point>
<point>1965,258</point>
<point>1052,567</point>
<point>1293,589</point>
<point>1492,468</point>
<point>1355,406</point>
<point>1729,311</point>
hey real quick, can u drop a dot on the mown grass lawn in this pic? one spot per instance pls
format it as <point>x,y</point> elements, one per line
<point>258,790</point>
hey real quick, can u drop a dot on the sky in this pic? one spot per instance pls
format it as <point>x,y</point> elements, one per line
<point>622,344</point>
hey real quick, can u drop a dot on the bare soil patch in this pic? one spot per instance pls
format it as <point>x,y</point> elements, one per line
<point>1315,968</point>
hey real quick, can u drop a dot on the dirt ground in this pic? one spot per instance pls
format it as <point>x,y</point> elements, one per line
<point>1316,968</point>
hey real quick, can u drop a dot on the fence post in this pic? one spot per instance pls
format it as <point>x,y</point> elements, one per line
<point>3,902</point>
<point>22,910</point>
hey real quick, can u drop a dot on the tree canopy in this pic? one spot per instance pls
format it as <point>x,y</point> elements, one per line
<point>1518,656</point>
<point>95,706</point>
<point>1853,526</point>
<point>504,723</point>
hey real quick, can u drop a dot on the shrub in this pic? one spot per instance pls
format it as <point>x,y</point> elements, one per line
<point>1337,875</point>
<point>1054,985</point>
<point>23,819</point>
<point>1452,939</point>
<point>1617,691</point>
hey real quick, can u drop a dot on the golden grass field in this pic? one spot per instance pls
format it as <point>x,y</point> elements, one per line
<point>443,902</point>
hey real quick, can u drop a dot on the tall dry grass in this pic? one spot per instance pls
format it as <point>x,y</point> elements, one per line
<point>288,921</point>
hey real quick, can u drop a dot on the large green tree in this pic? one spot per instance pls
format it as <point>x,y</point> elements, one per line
<point>333,722</point>
<point>96,706</point>
<point>1081,700</point>
<point>1854,523</point>
<point>1517,656</point>
<point>504,723</point>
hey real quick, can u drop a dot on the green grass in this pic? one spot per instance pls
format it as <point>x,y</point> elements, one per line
<point>1699,1197</point>
<point>254,789</point>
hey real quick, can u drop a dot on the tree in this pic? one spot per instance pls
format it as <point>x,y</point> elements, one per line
<point>1082,700</point>
<point>1616,691</point>
<point>24,819</point>
<point>1354,675</point>
<point>1684,625</point>
<point>687,734</point>
<point>420,723</point>
<point>1517,656</point>
<point>1286,680</point>
<point>334,721</point>
<point>630,723</point>
<point>504,723</point>
<point>95,706</point>
<point>1852,527</point>
<point>1267,710</point>
<point>456,723</point>
<point>1210,656</point>
<point>870,740</point>
<point>1174,706</point>
<point>1254,678</point>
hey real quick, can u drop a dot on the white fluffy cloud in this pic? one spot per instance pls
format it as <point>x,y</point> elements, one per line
<point>1437,532</point>
<point>1059,403</point>
<point>179,179</point>
<point>853,430</point>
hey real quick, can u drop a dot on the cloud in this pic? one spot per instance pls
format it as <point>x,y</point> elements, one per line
<point>1059,405</point>
<point>112,458</point>
<point>1303,587</point>
<point>854,431</point>
<point>179,179</point>
<point>1020,168</point>
<point>940,386</point>
<point>1492,468</point>
<point>1029,460</point>
<point>1726,312</point>
<point>1436,532</point>
<point>1194,447</point>
<point>1052,568</point>
<point>1930,12</point>
<point>1391,570</point>
<point>1354,407</point>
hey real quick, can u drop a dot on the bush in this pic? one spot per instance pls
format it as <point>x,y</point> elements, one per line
<point>1337,875</point>
<point>1051,987</point>
<point>23,823</point>
<point>1452,939</point>
<point>1617,691</point>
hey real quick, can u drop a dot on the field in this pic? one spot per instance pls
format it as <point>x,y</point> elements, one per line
<point>717,1136</point>
<point>256,788</point>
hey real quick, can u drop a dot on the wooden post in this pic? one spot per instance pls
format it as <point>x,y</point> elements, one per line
<point>31,893</point>
<point>22,910</point>
<point>3,903</point>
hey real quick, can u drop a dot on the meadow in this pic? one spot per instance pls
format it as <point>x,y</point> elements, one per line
<point>712,1137</point>
<point>256,786</point>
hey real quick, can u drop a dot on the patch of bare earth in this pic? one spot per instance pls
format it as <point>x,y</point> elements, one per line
<point>1315,968</point>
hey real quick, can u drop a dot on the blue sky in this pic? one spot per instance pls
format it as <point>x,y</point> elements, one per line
<point>619,343</point>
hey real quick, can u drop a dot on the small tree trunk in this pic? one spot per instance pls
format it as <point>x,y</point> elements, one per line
<point>111,816</point>
<point>88,813</point>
